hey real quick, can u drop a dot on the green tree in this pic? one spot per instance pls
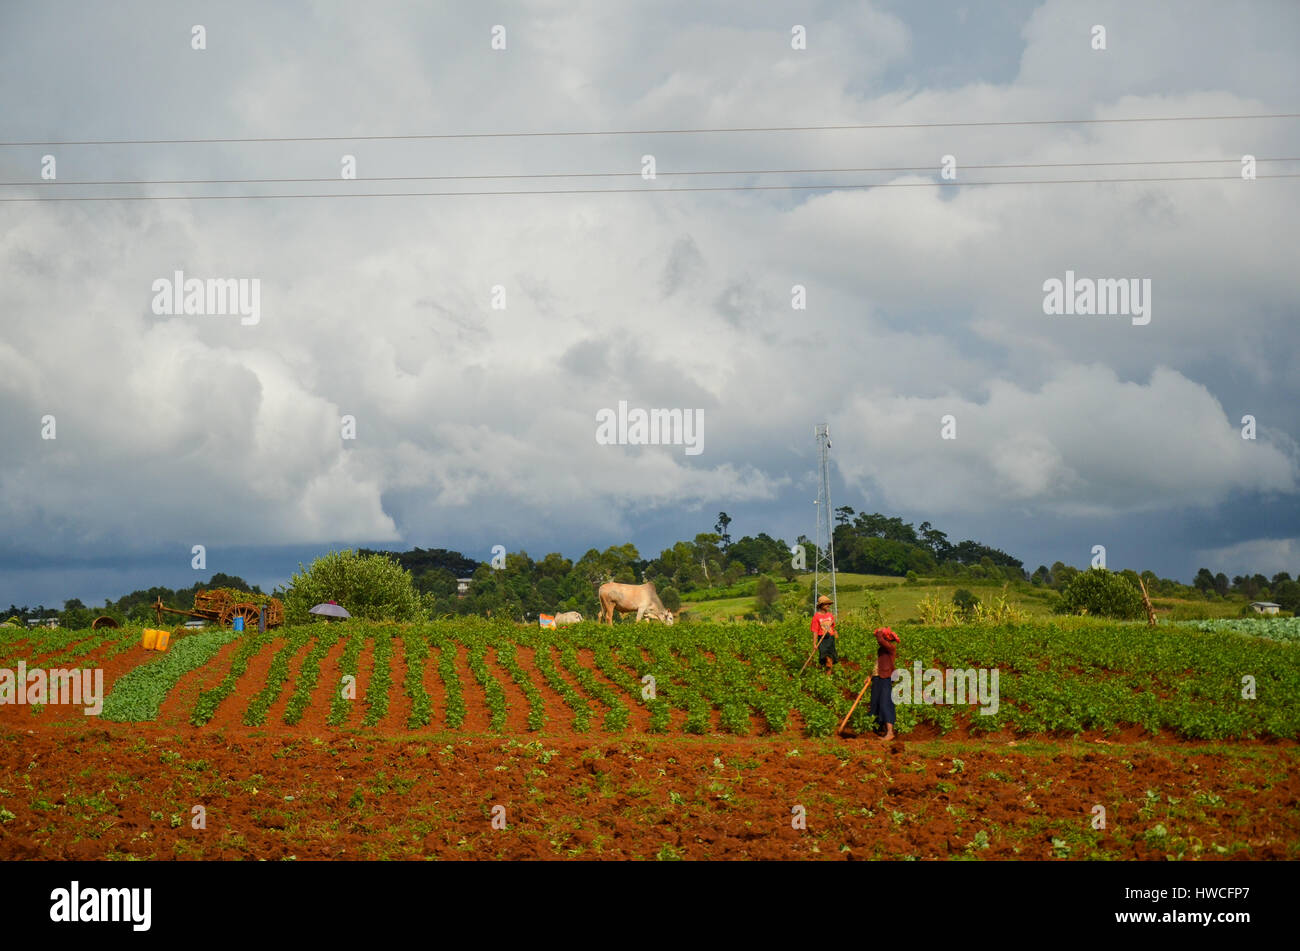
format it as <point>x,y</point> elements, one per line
<point>75,615</point>
<point>964,601</point>
<point>1287,595</point>
<point>439,582</point>
<point>1102,593</point>
<point>374,587</point>
<point>671,598</point>
<point>721,528</point>
<point>767,594</point>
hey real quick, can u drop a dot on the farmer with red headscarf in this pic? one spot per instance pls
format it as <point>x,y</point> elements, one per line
<point>882,696</point>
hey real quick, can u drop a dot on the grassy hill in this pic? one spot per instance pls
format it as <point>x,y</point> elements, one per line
<point>899,598</point>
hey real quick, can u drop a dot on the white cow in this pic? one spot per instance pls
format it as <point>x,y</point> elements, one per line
<point>626,598</point>
<point>568,617</point>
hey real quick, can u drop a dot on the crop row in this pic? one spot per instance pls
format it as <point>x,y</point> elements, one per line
<point>255,715</point>
<point>455,701</point>
<point>536,705</point>
<point>609,665</point>
<point>546,666</point>
<point>308,676</point>
<point>496,696</point>
<point>381,678</point>
<point>417,655</point>
<point>617,715</point>
<point>138,694</point>
<point>205,707</point>
<point>1057,677</point>
<point>340,701</point>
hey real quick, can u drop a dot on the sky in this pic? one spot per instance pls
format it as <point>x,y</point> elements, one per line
<point>472,340</point>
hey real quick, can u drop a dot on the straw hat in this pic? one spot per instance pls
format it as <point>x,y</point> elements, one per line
<point>824,600</point>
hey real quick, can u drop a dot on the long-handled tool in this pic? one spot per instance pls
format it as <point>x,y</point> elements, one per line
<point>813,654</point>
<point>826,632</point>
<point>856,701</point>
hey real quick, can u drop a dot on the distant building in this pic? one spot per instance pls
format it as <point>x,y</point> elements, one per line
<point>1265,607</point>
<point>43,622</point>
<point>462,586</point>
<point>196,623</point>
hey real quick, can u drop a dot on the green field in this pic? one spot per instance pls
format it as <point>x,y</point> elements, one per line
<point>1059,676</point>
<point>899,598</point>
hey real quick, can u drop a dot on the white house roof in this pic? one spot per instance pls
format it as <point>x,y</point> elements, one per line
<point>1265,604</point>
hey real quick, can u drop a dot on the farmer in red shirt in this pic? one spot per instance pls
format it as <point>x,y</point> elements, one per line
<point>824,633</point>
<point>882,696</point>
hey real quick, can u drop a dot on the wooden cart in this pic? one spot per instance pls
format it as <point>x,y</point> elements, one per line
<point>223,608</point>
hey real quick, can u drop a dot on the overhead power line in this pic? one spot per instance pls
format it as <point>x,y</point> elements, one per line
<point>864,127</point>
<point>626,174</point>
<point>644,191</point>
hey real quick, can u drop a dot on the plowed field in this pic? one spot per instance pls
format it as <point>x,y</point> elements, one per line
<point>476,740</point>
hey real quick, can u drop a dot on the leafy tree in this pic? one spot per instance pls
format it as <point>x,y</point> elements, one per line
<point>721,528</point>
<point>708,556</point>
<point>1062,575</point>
<point>671,598</point>
<point>372,586</point>
<point>76,615</point>
<point>964,601</point>
<point>1287,595</point>
<point>1102,593</point>
<point>767,594</point>
<point>439,582</point>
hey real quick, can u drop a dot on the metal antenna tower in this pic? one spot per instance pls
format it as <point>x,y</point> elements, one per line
<point>824,569</point>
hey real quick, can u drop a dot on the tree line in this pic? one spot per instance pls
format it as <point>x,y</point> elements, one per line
<point>713,563</point>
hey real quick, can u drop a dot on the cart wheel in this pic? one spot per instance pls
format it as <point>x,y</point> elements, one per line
<point>248,612</point>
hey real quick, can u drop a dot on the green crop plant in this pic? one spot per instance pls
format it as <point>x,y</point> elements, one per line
<point>308,676</point>
<point>258,707</point>
<point>616,718</point>
<point>455,701</point>
<point>139,693</point>
<point>208,701</point>
<point>546,666</point>
<point>340,705</point>
<point>381,678</point>
<point>536,705</point>
<point>492,690</point>
<point>416,645</point>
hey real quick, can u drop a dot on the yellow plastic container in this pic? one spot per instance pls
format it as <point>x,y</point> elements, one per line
<point>149,638</point>
<point>163,638</point>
